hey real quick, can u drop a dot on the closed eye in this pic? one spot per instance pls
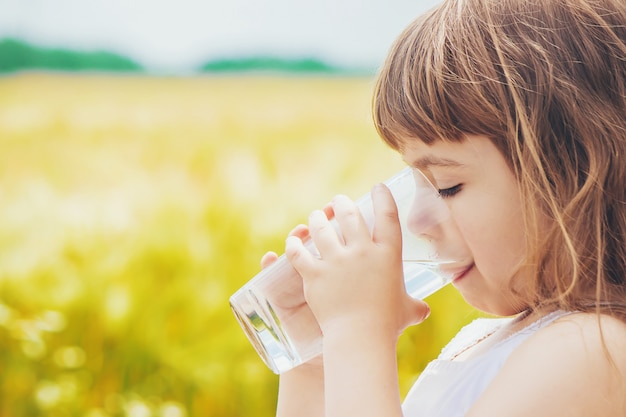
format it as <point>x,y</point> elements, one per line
<point>449,192</point>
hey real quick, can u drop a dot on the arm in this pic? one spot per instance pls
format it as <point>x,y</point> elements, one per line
<point>361,372</point>
<point>301,391</point>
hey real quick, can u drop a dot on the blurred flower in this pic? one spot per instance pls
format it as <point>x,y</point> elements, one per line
<point>117,303</point>
<point>70,386</point>
<point>51,321</point>
<point>34,349</point>
<point>6,314</point>
<point>137,408</point>
<point>29,335</point>
<point>69,357</point>
<point>25,330</point>
<point>47,394</point>
<point>172,409</point>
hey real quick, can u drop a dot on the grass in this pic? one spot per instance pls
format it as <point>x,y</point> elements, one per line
<point>132,207</point>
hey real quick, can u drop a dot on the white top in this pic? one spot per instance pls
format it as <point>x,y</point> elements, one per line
<point>448,388</point>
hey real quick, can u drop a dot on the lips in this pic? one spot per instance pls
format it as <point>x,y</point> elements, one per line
<point>457,272</point>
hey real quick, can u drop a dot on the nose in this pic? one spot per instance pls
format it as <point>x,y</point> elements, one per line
<point>427,210</point>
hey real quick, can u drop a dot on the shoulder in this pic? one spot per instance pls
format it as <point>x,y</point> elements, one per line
<point>595,343</point>
<point>588,329</point>
<point>573,366</point>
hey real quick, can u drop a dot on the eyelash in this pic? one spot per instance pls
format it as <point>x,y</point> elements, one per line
<point>450,192</point>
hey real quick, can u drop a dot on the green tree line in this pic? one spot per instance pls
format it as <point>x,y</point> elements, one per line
<point>269,64</point>
<point>16,55</point>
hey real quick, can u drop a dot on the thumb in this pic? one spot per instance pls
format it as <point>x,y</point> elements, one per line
<point>386,223</point>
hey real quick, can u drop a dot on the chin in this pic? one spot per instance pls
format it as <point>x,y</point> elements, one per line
<point>479,302</point>
<point>499,310</point>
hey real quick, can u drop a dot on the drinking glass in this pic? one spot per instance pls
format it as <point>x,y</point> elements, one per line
<point>271,307</point>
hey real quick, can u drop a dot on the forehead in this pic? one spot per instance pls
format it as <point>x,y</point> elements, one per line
<point>430,160</point>
<point>476,160</point>
<point>474,151</point>
<point>421,155</point>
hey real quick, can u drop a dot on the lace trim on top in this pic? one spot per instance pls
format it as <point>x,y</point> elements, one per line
<point>480,329</point>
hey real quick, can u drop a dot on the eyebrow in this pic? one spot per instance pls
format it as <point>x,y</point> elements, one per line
<point>429,161</point>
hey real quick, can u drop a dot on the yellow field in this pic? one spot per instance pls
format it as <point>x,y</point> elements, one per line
<point>131,208</point>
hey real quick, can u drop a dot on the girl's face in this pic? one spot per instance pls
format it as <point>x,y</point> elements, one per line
<point>486,229</point>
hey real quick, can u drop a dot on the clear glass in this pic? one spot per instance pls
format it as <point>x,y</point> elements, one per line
<point>271,307</point>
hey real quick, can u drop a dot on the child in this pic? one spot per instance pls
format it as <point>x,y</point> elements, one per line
<point>515,110</point>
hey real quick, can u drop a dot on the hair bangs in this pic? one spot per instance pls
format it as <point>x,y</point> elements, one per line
<point>437,83</point>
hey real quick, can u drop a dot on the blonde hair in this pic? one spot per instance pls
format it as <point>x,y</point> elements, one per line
<point>545,80</point>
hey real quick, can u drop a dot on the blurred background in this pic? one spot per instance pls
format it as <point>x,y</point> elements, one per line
<point>150,153</point>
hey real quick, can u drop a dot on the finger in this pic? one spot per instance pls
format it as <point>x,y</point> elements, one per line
<point>323,233</point>
<point>386,222</point>
<point>268,259</point>
<point>298,255</point>
<point>349,219</point>
<point>301,231</point>
<point>418,312</point>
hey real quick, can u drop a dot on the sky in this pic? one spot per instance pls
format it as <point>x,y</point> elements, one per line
<point>178,35</point>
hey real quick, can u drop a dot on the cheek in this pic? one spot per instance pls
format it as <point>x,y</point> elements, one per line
<point>495,237</point>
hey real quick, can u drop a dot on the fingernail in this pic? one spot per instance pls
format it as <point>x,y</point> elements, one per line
<point>338,198</point>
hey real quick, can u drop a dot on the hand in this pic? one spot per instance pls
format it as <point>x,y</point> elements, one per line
<point>301,231</point>
<point>357,278</point>
<point>286,296</point>
<point>301,390</point>
<point>288,299</point>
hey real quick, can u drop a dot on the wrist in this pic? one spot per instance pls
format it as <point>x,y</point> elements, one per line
<point>311,370</point>
<point>360,327</point>
<point>360,370</point>
<point>346,337</point>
